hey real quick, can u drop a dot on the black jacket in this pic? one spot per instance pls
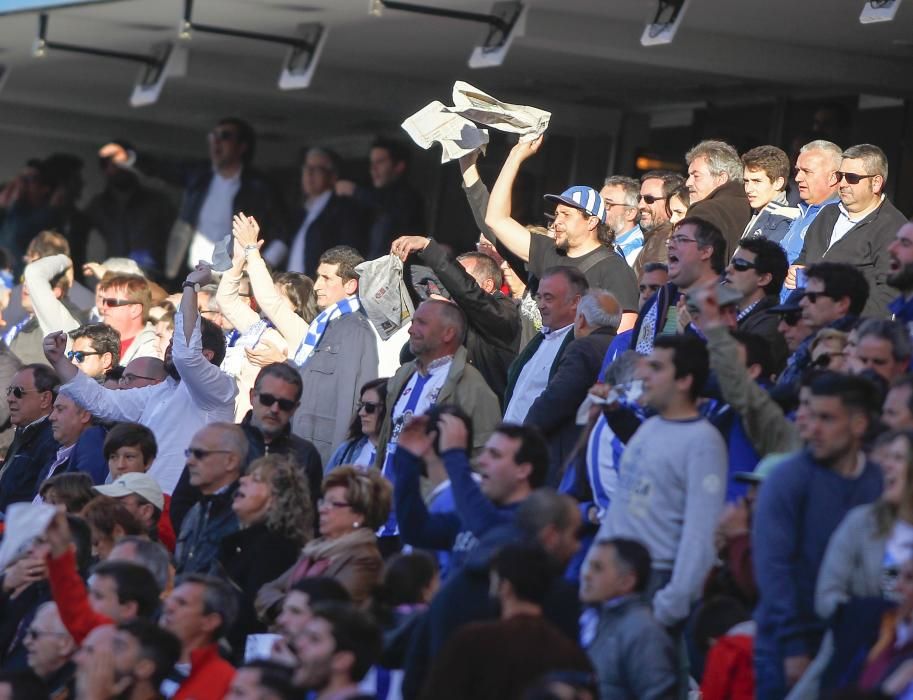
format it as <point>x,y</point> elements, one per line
<point>395,210</point>
<point>32,448</point>
<point>206,525</point>
<point>341,222</point>
<point>762,322</point>
<point>493,334</point>
<point>555,411</point>
<point>865,246</point>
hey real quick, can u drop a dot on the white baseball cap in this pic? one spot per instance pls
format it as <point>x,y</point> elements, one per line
<point>137,483</point>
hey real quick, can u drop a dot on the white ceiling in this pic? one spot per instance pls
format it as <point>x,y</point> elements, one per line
<point>580,58</point>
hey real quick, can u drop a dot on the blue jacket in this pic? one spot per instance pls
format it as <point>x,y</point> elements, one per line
<point>32,448</point>
<point>88,456</point>
<point>799,506</point>
<point>794,239</point>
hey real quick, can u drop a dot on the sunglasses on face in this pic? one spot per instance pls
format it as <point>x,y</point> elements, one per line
<point>111,302</point>
<point>814,296</point>
<point>18,391</point>
<point>79,355</point>
<point>851,178</point>
<point>741,265</point>
<point>649,198</point>
<point>369,407</point>
<point>222,135</point>
<point>200,454</point>
<point>268,400</point>
<point>792,318</point>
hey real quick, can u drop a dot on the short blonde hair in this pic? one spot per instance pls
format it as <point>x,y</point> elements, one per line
<point>367,492</point>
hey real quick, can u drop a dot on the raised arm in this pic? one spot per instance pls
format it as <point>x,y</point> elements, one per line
<point>209,386</point>
<point>292,327</point>
<point>239,314</point>
<point>51,313</point>
<point>506,229</point>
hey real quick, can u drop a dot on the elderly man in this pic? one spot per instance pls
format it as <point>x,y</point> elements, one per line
<point>50,649</point>
<point>80,442</point>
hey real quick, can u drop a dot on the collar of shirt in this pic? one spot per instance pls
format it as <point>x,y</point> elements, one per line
<point>233,178</point>
<point>317,205</point>
<point>434,365</point>
<point>629,237</point>
<point>549,334</point>
<point>64,453</point>
<point>845,214</point>
<point>747,310</point>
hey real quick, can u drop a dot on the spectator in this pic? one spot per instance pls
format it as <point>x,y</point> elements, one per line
<point>513,462</point>
<point>125,302</point>
<point>788,545</point>
<point>139,549</point>
<point>297,611</point>
<point>9,365</point>
<point>212,192</point>
<point>129,447</point>
<point>94,651</point>
<point>656,189</point>
<point>632,654</point>
<point>757,270</point>
<point>26,205</point>
<point>883,347</point>
<point>143,371</point>
<point>274,511</point>
<point>355,504</point>
<point>264,680</point>
<point>439,374</point>
<point>621,196</point>
<point>766,171</point>
<point>717,191</point>
<point>860,229</point>
<point>50,649</point>
<point>199,612</point>
<point>164,331</point>
<point>653,277</point>
<point>30,397</point>
<point>131,217</point>
<point>72,491</point>
<point>897,411</point>
<point>109,520</point>
<point>500,659</point>
<point>724,630</point>
<point>560,291</point>
<point>394,206</point>
<point>22,685</point>
<point>474,284</point>
<point>336,650</point>
<point>816,177</point>
<point>554,411</point>
<point>215,459</point>
<point>792,326</point>
<point>828,351</point>
<point>79,442</point>
<point>686,490</point>
<point>900,254</point>
<point>196,392</point>
<point>677,204</point>
<point>582,238</point>
<point>95,349</point>
<point>360,445</point>
<point>324,219</point>
<point>142,496</point>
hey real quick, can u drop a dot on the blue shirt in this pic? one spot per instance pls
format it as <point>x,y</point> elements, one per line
<point>795,238</point>
<point>629,244</point>
<point>902,309</point>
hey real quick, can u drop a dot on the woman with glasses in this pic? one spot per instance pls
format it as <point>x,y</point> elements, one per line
<point>863,563</point>
<point>355,503</point>
<point>360,445</point>
<point>273,506</point>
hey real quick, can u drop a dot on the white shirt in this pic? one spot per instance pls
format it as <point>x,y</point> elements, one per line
<point>296,261</point>
<point>534,376</point>
<point>174,411</point>
<point>214,221</point>
<point>844,223</point>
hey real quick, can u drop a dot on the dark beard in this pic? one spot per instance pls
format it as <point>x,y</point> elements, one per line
<point>902,280</point>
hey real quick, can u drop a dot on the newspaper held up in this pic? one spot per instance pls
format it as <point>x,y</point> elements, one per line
<point>482,108</point>
<point>23,523</point>
<point>457,135</point>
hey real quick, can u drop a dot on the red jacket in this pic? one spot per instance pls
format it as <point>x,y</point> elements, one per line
<point>166,529</point>
<point>210,676</point>
<point>69,592</point>
<point>728,672</point>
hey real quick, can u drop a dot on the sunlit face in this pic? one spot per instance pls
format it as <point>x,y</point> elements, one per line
<point>68,420</point>
<point>163,333</point>
<point>253,497</point>
<point>678,208</point>
<point>556,301</point>
<point>272,420</point>
<point>97,645</point>
<point>687,259</point>
<point>760,189</point>
<point>823,310</point>
<point>572,227</point>
<point>701,182</point>
<point>183,611</point>
<point>103,598</point>
<point>602,578</point>
<point>369,411</point>
<point>793,329</point>
<point>501,476</point>
<point>748,281</point>
<point>863,195</point>
<point>31,404</point>
<point>657,371</point>
<point>652,214</point>
<point>815,178</point>
<point>330,288</point>
<point>336,514</point>
<point>620,217</point>
<point>93,364</point>
<point>650,283</point>
<point>427,331</point>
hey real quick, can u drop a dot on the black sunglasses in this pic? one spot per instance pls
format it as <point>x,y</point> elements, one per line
<point>791,318</point>
<point>268,400</point>
<point>814,296</point>
<point>19,392</point>
<point>80,355</point>
<point>741,265</point>
<point>111,302</point>
<point>851,178</point>
<point>649,198</point>
<point>199,454</point>
<point>369,406</point>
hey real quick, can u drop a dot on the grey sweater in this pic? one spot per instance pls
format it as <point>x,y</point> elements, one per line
<point>671,488</point>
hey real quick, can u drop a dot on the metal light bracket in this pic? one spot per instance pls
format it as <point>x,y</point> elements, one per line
<point>668,17</point>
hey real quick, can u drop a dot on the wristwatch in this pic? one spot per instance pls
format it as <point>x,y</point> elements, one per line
<point>248,249</point>
<point>194,285</point>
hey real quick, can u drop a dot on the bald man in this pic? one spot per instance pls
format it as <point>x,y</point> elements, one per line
<point>143,371</point>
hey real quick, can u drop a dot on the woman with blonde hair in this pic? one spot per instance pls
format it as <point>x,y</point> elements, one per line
<point>355,503</point>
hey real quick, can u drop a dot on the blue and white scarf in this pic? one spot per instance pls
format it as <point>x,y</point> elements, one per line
<point>319,326</point>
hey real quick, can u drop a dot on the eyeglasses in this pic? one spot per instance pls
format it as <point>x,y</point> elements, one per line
<point>19,392</point>
<point>332,504</point>
<point>199,454</point>
<point>32,634</point>
<point>369,406</point>
<point>130,378</point>
<point>814,296</point>
<point>111,302</point>
<point>80,355</point>
<point>652,287</point>
<point>851,178</point>
<point>741,265</point>
<point>268,400</point>
<point>679,238</point>
<point>791,318</point>
<point>222,135</point>
<point>609,204</point>
<point>648,198</point>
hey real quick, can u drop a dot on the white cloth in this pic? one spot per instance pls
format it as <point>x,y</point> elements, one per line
<point>174,411</point>
<point>296,261</point>
<point>214,220</point>
<point>534,376</point>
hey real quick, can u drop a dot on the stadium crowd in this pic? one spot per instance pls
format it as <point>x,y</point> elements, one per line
<point>660,447</point>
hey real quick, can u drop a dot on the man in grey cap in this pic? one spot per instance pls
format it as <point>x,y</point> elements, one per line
<point>582,238</point>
